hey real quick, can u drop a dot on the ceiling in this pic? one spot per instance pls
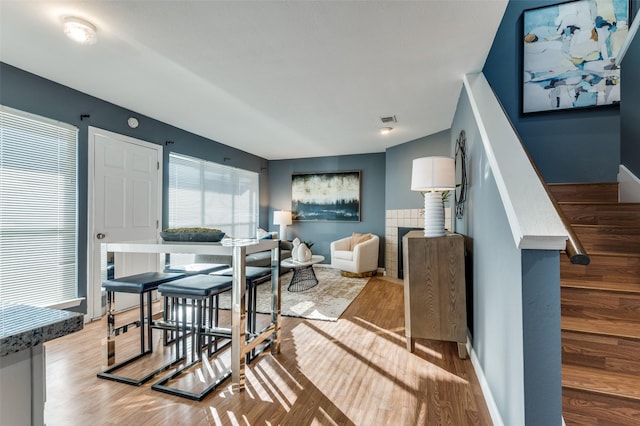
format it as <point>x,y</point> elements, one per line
<point>279,79</point>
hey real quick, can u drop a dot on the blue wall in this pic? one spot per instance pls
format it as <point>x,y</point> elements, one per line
<point>399,160</point>
<point>630,104</point>
<point>372,167</point>
<point>567,146</point>
<point>541,337</point>
<point>30,93</point>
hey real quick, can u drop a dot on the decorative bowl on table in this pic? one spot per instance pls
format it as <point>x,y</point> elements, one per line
<point>200,235</point>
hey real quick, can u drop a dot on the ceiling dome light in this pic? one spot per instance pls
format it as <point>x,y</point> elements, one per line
<point>79,30</point>
<point>386,130</point>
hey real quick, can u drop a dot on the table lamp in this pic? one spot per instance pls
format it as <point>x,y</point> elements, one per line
<point>282,218</point>
<point>430,175</point>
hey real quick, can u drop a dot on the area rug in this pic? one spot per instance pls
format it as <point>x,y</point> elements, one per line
<point>326,301</point>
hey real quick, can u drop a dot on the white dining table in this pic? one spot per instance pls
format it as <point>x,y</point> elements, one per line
<point>241,345</point>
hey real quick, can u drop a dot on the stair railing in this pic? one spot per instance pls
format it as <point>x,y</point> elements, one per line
<point>536,221</point>
<point>574,249</point>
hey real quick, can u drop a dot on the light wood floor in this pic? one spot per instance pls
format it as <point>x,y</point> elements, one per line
<point>355,371</point>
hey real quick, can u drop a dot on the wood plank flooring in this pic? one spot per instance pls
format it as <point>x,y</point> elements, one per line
<point>355,371</point>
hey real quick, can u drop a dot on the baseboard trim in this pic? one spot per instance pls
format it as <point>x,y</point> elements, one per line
<point>496,418</point>
<point>628,186</point>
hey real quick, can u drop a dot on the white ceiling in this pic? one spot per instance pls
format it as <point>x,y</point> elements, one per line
<point>279,79</point>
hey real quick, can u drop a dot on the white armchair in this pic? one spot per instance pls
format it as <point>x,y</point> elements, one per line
<point>357,254</point>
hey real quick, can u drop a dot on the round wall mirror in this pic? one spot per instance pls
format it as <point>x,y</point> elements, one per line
<point>461,174</point>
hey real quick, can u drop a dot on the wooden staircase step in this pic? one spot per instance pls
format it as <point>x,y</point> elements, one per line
<point>629,330</point>
<point>598,304</point>
<point>611,267</point>
<point>617,286</point>
<point>614,239</point>
<point>610,254</point>
<point>585,192</point>
<point>601,382</point>
<point>620,214</point>
<point>583,408</point>
<point>606,353</point>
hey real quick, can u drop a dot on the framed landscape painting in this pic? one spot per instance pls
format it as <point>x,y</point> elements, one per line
<point>326,196</point>
<point>570,52</point>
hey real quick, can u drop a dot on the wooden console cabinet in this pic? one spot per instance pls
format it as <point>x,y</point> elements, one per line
<point>434,289</point>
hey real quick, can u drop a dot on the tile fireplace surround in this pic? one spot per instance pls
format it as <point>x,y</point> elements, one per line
<point>403,218</point>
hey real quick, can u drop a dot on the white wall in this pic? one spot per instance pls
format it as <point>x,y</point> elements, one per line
<point>497,318</point>
<point>517,235</point>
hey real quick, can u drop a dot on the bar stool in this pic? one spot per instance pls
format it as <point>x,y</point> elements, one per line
<point>254,276</point>
<point>202,292</point>
<point>188,269</point>
<point>140,284</point>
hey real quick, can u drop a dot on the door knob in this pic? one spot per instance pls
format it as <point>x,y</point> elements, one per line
<point>100,236</point>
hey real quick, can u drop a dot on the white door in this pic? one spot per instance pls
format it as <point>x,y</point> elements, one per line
<point>125,205</point>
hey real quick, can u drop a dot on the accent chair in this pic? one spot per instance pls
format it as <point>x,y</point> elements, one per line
<point>356,255</point>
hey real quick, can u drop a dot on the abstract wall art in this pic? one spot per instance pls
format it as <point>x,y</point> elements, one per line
<point>569,56</point>
<point>326,196</point>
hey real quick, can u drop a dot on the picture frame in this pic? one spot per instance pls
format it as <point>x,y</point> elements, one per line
<point>326,196</point>
<point>569,54</point>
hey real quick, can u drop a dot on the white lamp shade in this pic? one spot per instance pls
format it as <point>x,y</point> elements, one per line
<point>433,174</point>
<point>282,217</point>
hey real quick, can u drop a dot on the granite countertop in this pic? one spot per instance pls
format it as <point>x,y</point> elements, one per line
<point>22,326</point>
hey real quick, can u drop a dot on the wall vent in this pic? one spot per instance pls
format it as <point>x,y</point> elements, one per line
<point>391,119</point>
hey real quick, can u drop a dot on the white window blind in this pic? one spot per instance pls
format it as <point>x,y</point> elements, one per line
<point>38,209</point>
<point>207,194</point>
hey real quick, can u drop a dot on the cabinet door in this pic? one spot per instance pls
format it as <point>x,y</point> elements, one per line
<point>22,387</point>
<point>436,288</point>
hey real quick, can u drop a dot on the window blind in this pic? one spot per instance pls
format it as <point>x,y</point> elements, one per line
<point>211,195</point>
<point>38,209</point>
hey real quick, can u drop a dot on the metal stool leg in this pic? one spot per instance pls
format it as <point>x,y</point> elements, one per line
<point>149,322</point>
